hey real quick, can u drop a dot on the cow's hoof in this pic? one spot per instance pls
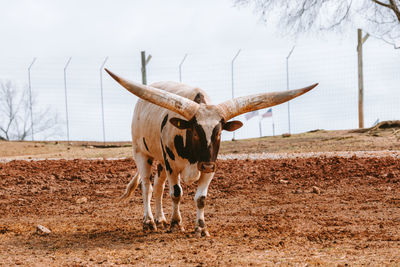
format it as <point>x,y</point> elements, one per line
<point>201,232</point>
<point>176,227</point>
<point>161,224</point>
<point>149,226</point>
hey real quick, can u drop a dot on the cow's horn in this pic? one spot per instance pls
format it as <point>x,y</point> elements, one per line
<point>240,105</point>
<point>181,105</point>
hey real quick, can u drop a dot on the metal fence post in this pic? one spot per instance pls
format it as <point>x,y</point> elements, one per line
<point>180,68</point>
<point>102,101</point>
<point>232,76</point>
<point>66,97</point>
<point>287,83</point>
<point>30,95</point>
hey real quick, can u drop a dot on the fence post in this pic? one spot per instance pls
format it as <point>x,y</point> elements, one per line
<point>66,96</point>
<point>180,68</point>
<point>30,95</point>
<point>360,41</point>
<point>102,101</point>
<point>232,76</point>
<point>287,83</point>
<point>145,61</point>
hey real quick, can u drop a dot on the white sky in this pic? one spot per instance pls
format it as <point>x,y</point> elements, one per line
<point>122,27</point>
<point>211,32</point>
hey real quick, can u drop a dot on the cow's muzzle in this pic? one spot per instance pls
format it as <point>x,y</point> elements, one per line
<point>207,166</point>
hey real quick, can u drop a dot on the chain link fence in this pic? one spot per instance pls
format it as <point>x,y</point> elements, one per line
<point>79,90</point>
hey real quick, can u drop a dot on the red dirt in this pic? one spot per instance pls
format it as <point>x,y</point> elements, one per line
<point>258,213</point>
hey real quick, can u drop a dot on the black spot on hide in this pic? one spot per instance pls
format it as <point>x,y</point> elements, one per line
<point>201,223</point>
<point>164,122</point>
<point>183,151</point>
<point>177,191</point>
<point>159,169</point>
<point>201,202</point>
<point>166,162</point>
<point>150,161</point>
<point>145,145</point>
<point>167,166</point>
<point>170,153</point>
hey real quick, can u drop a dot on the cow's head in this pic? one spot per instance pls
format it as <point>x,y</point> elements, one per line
<point>203,123</point>
<point>203,136</point>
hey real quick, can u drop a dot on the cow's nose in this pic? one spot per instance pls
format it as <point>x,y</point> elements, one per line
<point>207,166</point>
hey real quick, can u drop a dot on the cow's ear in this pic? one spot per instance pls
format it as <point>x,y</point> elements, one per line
<point>179,123</point>
<point>232,125</point>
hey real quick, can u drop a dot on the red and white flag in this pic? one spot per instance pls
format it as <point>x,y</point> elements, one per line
<point>250,115</point>
<point>267,114</point>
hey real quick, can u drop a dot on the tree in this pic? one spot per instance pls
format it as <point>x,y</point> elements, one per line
<point>15,116</point>
<point>380,18</point>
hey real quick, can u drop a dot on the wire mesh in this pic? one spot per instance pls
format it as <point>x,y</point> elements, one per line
<point>332,105</point>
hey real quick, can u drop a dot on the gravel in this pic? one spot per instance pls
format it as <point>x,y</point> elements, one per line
<point>342,154</point>
<point>254,156</point>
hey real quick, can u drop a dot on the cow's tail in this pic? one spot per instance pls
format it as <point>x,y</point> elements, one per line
<point>134,182</point>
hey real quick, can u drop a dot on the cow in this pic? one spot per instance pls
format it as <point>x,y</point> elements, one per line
<point>177,126</point>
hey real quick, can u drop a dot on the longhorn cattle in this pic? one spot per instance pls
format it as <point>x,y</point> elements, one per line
<point>176,125</point>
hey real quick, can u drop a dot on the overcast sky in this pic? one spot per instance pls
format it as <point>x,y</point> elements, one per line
<point>211,32</point>
<point>122,27</point>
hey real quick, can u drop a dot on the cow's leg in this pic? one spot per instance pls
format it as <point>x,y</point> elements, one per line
<point>159,183</point>
<point>200,201</point>
<point>175,191</point>
<point>144,169</point>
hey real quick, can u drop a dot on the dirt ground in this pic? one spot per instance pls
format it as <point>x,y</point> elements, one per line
<point>296,211</point>
<point>316,211</point>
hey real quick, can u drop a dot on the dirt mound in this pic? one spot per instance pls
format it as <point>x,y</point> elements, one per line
<point>318,211</point>
<point>380,126</point>
<point>387,124</point>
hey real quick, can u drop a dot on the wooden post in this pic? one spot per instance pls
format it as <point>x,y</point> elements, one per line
<point>145,61</point>
<point>360,42</point>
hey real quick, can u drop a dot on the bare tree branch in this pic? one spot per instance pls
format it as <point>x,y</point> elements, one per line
<point>380,18</point>
<point>15,121</point>
<point>381,4</point>
<point>395,9</point>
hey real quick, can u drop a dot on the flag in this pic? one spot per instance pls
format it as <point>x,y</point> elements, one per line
<point>250,115</point>
<point>268,113</point>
